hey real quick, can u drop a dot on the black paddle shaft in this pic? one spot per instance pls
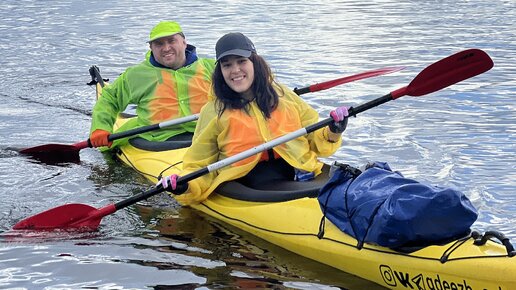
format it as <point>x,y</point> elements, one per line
<point>158,189</point>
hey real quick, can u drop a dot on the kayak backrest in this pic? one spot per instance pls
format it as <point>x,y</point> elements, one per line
<point>276,192</point>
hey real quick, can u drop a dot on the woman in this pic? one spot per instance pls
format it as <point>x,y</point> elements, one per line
<point>250,109</point>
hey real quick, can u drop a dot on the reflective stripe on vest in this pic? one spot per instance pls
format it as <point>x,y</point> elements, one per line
<point>180,93</point>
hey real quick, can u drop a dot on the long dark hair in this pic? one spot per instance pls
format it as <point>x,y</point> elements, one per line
<point>264,93</point>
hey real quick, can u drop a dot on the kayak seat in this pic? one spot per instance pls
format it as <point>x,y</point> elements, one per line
<point>175,142</point>
<point>276,191</point>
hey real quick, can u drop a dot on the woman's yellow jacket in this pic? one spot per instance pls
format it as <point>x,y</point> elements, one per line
<point>217,137</point>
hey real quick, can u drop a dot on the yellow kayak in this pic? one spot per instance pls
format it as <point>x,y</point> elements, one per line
<point>294,224</point>
<point>290,216</point>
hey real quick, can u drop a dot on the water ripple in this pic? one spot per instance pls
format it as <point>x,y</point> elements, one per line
<point>462,136</point>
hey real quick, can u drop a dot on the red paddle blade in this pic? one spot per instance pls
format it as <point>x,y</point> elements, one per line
<point>69,216</point>
<point>364,75</point>
<point>55,153</point>
<point>448,71</point>
<point>49,149</point>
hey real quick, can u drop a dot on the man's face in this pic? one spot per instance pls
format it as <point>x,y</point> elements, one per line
<point>169,51</point>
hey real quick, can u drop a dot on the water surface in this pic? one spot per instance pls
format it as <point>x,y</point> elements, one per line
<point>462,136</point>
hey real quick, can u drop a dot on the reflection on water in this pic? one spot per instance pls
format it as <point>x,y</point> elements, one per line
<point>251,261</point>
<point>462,136</point>
<point>182,249</point>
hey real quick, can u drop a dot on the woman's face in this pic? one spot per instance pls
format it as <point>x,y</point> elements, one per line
<point>238,73</point>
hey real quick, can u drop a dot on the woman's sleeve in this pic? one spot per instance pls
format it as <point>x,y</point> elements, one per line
<point>203,152</point>
<point>319,139</point>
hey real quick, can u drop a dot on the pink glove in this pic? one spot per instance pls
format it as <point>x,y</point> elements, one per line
<point>339,114</point>
<point>340,118</point>
<point>169,183</point>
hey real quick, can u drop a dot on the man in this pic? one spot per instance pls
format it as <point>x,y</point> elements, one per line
<point>171,82</point>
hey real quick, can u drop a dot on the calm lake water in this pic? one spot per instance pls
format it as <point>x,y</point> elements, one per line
<point>463,136</point>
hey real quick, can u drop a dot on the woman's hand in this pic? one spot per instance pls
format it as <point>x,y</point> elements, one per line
<point>169,183</point>
<point>340,118</point>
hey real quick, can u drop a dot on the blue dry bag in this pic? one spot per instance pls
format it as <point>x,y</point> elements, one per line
<point>382,207</point>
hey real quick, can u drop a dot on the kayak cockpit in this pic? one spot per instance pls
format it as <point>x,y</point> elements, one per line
<point>277,191</point>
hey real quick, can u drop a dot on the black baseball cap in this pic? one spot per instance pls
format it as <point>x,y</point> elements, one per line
<point>234,43</point>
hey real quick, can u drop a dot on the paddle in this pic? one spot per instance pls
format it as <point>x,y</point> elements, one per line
<point>71,152</point>
<point>340,81</point>
<point>439,75</point>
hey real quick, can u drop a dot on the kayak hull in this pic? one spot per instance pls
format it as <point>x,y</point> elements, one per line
<point>294,225</point>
